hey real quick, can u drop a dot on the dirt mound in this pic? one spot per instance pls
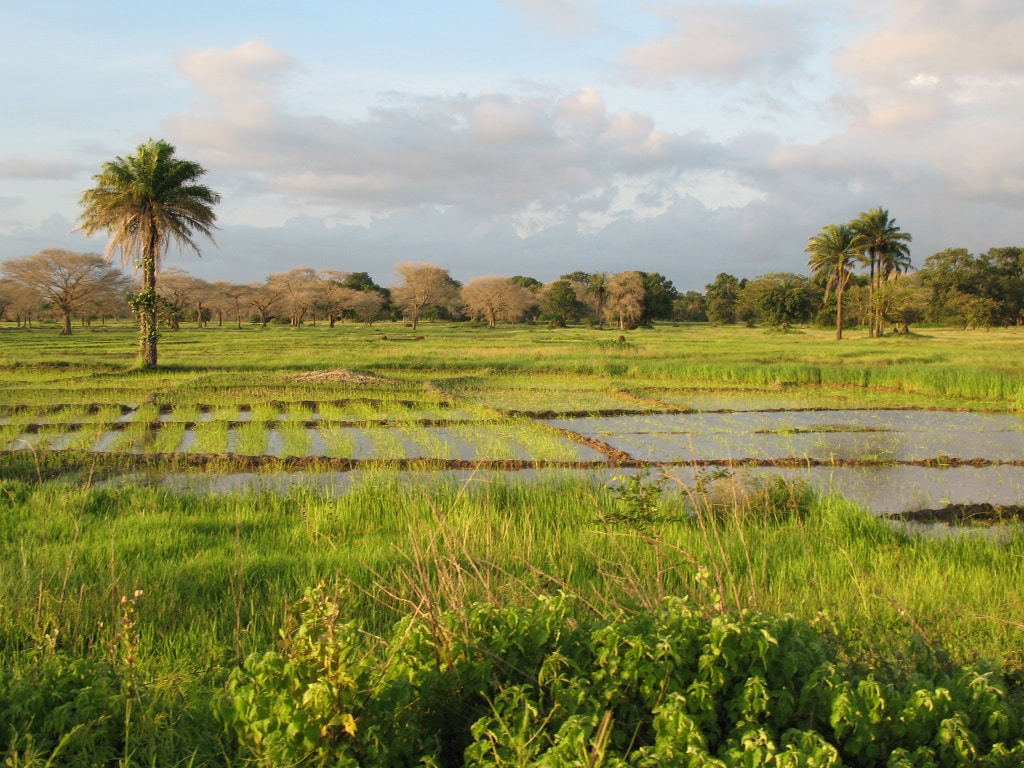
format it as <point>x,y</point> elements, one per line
<point>350,377</point>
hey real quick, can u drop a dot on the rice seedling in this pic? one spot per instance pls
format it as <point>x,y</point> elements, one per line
<point>295,437</point>
<point>251,439</point>
<point>210,437</point>
<point>168,438</point>
<point>338,442</point>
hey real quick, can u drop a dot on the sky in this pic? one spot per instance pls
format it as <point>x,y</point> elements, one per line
<point>523,137</point>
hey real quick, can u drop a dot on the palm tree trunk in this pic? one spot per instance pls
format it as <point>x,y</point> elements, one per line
<point>147,309</point>
<point>871,298</point>
<point>839,311</point>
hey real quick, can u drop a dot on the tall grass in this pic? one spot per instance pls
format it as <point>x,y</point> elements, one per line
<point>69,554</point>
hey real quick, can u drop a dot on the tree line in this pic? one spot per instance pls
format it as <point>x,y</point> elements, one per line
<point>152,199</point>
<point>953,287</point>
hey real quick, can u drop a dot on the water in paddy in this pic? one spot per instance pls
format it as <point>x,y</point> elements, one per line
<point>874,436</point>
<point>878,443</point>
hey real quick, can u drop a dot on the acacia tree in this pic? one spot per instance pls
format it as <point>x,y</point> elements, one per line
<point>423,286</point>
<point>496,298</point>
<point>7,292</point>
<point>832,253</point>
<point>264,298</point>
<point>297,289</point>
<point>228,297</point>
<point>64,279</point>
<point>625,299</point>
<point>180,291</point>
<point>146,202</point>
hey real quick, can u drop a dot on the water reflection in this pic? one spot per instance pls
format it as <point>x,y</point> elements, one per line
<point>823,435</point>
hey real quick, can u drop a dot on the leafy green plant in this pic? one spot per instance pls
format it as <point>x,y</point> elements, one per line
<point>545,685</point>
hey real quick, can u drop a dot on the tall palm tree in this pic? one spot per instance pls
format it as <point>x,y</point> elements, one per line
<point>832,253</point>
<point>597,287</point>
<point>885,251</point>
<point>147,201</point>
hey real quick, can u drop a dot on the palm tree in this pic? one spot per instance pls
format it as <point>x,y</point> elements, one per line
<point>832,253</point>
<point>885,251</point>
<point>145,202</point>
<point>597,286</point>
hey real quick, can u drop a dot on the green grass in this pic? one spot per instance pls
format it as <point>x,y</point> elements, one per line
<point>215,573</point>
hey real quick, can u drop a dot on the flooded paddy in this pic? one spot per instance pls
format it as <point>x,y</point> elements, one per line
<point>890,461</point>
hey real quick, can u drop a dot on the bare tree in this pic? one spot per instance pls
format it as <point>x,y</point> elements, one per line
<point>23,303</point>
<point>65,279</point>
<point>496,298</point>
<point>229,298</point>
<point>423,286</point>
<point>179,292</point>
<point>366,306</point>
<point>332,297</point>
<point>263,298</point>
<point>624,302</point>
<point>297,288</point>
<point>8,289</point>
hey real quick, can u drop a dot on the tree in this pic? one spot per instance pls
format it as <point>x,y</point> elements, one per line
<point>560,304</point>
<point>64,279</point>
<point>531,283</point>
<point>495,298</point>
<point>331,295</point>
<point>832,253</point>
<point>1006,284</point>
<point>366,306</point>
<point>8,290</point>
<point>903,301</point>
<point>886,252</point>
<point>178,292</point>
<point>721,298</point>
<point>626,295</point>
<point>423,286</point>
<point>263,298</point>
<point>229,297</point>
<point>690,308</point>
<point>659,298</point>
<point>146,202</point>
<point>597,288</point>
<point>361,281</point>
<point>296,290</point>
<point>782,299</point>
<point>22,302</point>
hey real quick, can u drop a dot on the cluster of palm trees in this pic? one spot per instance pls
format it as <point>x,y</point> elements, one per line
<point>872,240</point>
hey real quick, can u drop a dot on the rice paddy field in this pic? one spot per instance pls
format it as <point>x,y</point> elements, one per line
<point>158,527</point>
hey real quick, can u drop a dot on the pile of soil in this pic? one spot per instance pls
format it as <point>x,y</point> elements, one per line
<point>352,377</point>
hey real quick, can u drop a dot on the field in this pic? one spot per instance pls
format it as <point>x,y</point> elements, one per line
<point>130,607</point>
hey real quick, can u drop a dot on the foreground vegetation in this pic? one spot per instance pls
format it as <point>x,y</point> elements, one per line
<point>489,618</point>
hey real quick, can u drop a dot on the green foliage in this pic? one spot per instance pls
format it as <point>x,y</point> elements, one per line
<point>639,501</point>
<point>69,711</point>
<point>539,685</point>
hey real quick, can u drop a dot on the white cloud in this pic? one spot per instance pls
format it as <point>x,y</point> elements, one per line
<point>497,154</point>
<point>726,42</point>
<point>36,168</point>
<point>559,17</point>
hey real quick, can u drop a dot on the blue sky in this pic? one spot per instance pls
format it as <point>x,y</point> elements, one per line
<point>530,137</point>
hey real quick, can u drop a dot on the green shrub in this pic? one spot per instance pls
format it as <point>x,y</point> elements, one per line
<point>501,686</point>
